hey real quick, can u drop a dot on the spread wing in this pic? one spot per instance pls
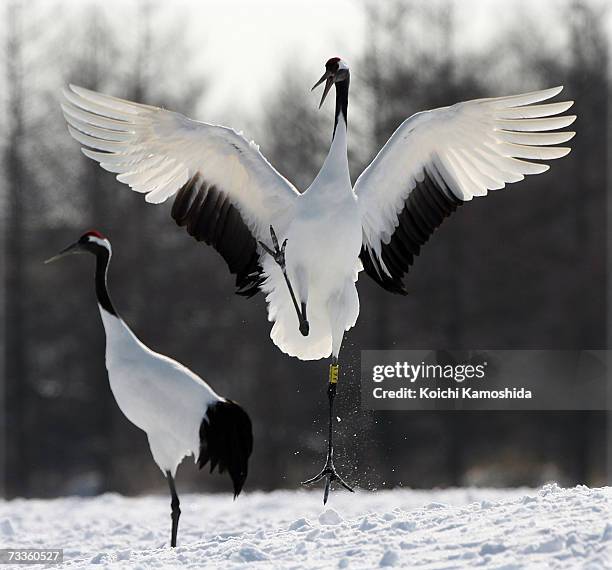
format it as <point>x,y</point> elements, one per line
<point>225,192</point>
<point>437,160</point>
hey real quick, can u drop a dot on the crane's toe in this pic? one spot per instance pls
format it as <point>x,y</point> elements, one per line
<point>330,474</point>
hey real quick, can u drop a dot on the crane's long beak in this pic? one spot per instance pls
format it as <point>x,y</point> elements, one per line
<point>72,248</point>
<point>329,81</point>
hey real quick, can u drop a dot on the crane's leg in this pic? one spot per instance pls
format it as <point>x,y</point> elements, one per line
<point>176,511</point>
<point>278,254</point>
<point>329,471</point>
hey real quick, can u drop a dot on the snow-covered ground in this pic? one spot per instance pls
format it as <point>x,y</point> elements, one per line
<point>511,529</point>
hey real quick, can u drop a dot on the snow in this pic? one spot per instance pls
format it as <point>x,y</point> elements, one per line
<point>550,527</point>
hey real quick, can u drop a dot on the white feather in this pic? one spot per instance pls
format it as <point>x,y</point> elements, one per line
<point>150,136</point>
<point>475,147</point>
<point>156,393</point>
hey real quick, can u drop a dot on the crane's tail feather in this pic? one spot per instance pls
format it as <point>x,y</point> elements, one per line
<point>329,315</point>
<point>226,441</point>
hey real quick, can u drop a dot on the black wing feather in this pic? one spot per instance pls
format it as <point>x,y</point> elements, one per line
<point>424,210</point>
<point>208,214</point>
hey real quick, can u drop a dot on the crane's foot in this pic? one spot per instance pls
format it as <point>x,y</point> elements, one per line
<point>304,324</point>
<point>277,252</point>
<point>330,474</point>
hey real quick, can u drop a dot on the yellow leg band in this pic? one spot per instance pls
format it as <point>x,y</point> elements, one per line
<point>334,371</point>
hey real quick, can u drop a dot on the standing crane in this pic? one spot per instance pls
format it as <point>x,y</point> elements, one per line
<point>180,413</point>
<point>304,251</point>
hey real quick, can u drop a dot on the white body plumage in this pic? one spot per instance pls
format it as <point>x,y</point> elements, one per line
<point>157,394</point>
<point>323,242</point>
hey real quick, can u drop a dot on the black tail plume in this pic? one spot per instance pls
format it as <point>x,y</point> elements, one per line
<point>226,440</point>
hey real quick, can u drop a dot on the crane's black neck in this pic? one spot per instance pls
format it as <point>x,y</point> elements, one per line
<point>342,90</point>
<point>102,260</point>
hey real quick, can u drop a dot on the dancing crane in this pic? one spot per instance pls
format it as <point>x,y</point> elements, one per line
<point>180,413</point>
<point>229,196</point>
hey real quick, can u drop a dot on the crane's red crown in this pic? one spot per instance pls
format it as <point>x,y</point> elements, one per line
<point>94,233</point>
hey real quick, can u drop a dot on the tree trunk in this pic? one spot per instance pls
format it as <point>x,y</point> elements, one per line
<point>16,377</point>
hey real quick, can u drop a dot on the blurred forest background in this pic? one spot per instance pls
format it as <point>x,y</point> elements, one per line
<point>524,268</point>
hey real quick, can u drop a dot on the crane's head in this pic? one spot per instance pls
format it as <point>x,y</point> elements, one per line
<point>336,71</point>
<point>90,242</point>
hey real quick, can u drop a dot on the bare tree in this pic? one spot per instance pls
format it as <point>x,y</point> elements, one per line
<point>16,369</point>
